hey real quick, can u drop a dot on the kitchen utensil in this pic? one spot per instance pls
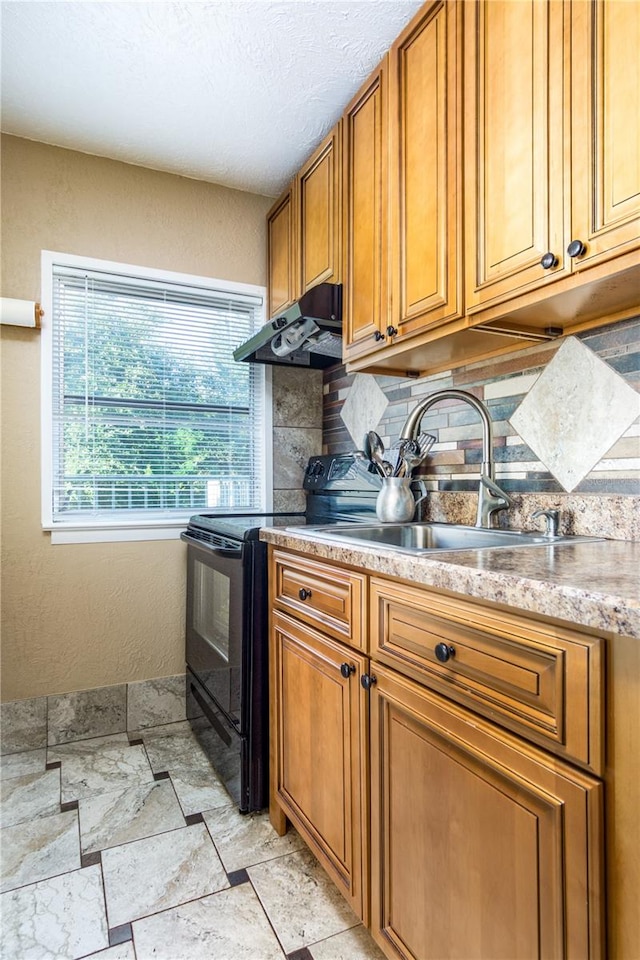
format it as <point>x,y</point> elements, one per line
<point>376,451</point>
<point>425,442</point>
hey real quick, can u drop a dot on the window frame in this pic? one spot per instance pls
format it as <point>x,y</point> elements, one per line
<point>136,528</point>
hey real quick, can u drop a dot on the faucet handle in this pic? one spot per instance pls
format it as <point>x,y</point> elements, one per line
<point>552,521</point>
<point>491,499</point>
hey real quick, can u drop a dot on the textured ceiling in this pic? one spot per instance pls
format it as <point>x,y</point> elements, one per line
<point>236,92</point>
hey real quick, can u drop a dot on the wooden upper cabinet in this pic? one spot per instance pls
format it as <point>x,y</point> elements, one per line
<point>605,129</point>
<point>320,212</point>
<point>425,70</point>
<point>552,157</point>
<point>281,252</point>
<point>365,157</point>
<point>514,181</point>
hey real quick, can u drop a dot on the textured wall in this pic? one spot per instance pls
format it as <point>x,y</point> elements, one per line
<point>88,615</point>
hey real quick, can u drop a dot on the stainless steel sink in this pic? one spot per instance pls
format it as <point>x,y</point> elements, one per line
<point>431,537</point>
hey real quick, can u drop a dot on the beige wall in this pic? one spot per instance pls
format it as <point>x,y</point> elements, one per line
<point>80,616</point>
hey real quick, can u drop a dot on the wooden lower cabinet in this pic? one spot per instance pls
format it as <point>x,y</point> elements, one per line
<point>452,831</point>
<point>319,750</point>
<point>482,846</point>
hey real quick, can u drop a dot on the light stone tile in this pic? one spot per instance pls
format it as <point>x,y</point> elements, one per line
<point>23,725</point>
<point>102,765</point>
<point>44,848</point>
<point>59,918</point>
<point>115,818</point>
<point>245,839</point>
<point>575,412</point>
<point>122,951</point>
<point>354,944</point>
<point>301,902</point>
<point>296,397</point>
<point>17,764</point>
<point>230,925</point>
<point>182,752</point>
<point>153,702</point>
<point>510,386</point>
<point>198,790</point>
<point>292,447</point>
<point>196,783</point>
<point>87,713</point>
<point>28,797</point>
<point>180,729</point>
<point>363,409</point>
<point>149,875</point>
<point>289,501</point>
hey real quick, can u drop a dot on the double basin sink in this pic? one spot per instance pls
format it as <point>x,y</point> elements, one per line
<point>420,538</point>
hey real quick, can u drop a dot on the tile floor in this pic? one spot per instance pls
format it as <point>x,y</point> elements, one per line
<point>127,847</point>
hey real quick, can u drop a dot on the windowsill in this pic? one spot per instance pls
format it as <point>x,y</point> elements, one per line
<point>110,532</point>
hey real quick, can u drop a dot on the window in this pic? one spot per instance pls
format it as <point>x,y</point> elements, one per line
<point>147,418</point>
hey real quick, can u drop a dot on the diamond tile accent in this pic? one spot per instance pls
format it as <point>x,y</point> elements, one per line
<point>363,408</point>
<point>574,413</point>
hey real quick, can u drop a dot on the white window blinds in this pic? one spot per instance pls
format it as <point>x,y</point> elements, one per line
<point>151,415</point>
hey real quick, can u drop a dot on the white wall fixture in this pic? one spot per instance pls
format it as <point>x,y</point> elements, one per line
<point>20,313</point>
<point>574,413</point>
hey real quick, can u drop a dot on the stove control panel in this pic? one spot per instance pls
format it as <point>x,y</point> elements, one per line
<point>336,472</point>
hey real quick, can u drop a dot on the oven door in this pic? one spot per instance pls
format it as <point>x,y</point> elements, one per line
<point>215,575</point>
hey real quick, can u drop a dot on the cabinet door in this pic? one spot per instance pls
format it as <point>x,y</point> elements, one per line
<point>481,845</point>
<point>514,143</point>
<point>365,153</point>
<point>319,191</point>
<point>319,749</point>
<point>281,253</point>
<point>426,192</point>
<point>605,107</point>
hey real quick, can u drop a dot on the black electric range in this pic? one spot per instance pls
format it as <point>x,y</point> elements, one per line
<point>227,619</point>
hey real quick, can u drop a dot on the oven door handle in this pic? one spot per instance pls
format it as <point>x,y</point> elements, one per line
<point>216,551</point>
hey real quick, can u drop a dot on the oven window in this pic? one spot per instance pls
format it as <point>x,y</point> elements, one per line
<point>211,607</point>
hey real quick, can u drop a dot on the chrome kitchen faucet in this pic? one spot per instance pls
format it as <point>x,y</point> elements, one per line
<point>491,498</point>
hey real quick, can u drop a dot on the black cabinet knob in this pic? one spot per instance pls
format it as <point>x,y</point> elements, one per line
<point>576,248</point>
<point>304,594</point>
<point>378,335</point>
<point>391,331</point>
<point>346,669</point>
<point>548,261</point>
<point>367,680</point>
<point>443,652</point>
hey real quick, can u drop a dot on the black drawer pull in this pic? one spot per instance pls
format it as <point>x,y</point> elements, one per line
<point>346,669</point>
<point>368,680</point>
<point>549,261</point>
<point>443,652</point>
<point>304,594</point>
<point>576,248</point>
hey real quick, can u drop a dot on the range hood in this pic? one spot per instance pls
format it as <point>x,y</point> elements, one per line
<point>308,334</point>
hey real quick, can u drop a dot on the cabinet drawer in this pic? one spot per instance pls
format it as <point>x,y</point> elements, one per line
<point>320,594</point>
<point>542,681</point>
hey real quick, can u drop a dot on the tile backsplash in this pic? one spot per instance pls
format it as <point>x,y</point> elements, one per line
<point>84,714</point>
<point>566,421</point>
<point>297,432</point>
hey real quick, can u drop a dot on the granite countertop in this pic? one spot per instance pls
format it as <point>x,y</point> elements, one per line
<point>591,584</point>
